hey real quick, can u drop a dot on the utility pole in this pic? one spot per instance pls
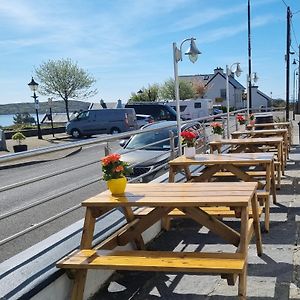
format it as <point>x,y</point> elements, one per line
<point>288,44</point>
<point>249,82</point>
<point>298,103</point>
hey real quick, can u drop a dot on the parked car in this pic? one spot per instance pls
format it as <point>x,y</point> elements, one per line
<point>101,121</point>
<point>144,120</point>
<point>156,155</point>
<point>159,111</point>
<point>217,109</point>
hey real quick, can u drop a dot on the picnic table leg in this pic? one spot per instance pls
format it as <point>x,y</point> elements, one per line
<point>172,172</point>
<point>256,225</point>
<point>267,199</point>
<point>273,183</point>
<point>243,248</point>
<point>86,243</point>
<point>242,288</point>
<point>139,242</point>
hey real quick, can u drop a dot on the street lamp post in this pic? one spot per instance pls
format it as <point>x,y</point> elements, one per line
<point>192,52</point>
<point>252,77</point>
<point>229,71</point>
<point>298,89</point>
<point>34,86</point>
<point>51,117</point>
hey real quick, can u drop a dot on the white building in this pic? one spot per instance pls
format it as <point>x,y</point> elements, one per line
<point>216,90</point>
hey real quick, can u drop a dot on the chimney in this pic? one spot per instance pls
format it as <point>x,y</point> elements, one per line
<point>218,70</point>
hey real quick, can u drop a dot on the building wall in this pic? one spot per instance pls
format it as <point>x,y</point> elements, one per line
<point>218,90</point>
<point>257,99</point>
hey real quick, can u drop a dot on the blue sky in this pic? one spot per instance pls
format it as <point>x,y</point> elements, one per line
<point>127,44</point>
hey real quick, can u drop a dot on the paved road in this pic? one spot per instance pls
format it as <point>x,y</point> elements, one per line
<point>15,198</point>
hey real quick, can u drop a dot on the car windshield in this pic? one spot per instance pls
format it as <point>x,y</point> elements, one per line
<point>147,138</point>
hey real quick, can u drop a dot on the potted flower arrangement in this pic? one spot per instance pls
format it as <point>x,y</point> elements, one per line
<point>189,140</point>
<point>241,122</point>
<point>19,136</point>
<point>217,129</point>
<point>252,120</point>
<point>114,171</point>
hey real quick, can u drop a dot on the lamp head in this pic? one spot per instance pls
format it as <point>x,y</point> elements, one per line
<point>255,77</point>
<point>193,51</point>
<point>294,62</point>
<point>238,70</point>
<point>33,85</point>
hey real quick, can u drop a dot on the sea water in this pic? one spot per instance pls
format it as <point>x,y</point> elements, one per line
<point>7,120</point>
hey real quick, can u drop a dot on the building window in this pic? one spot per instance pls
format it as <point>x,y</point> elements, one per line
<point>223,93</point>
<point>197,105</point>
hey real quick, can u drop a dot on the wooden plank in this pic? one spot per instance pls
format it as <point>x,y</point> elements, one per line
<point>170,201</point>
<point>221,211</point>
<point>154,216</point>
<point>138,240</point>
<point>156,261</point>
<point>112,241</point>
<point>213,224</point>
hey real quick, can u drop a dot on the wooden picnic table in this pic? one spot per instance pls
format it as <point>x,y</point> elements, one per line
<point>254,145</point>
<point>266,133</point>
<point>275,125</point>
<point>190,198</point>
<point>229,165</point>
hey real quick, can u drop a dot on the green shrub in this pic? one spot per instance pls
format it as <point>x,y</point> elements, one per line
<point>19,136</point>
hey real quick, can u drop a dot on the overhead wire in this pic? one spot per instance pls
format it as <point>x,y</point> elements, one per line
<point>284,3</point>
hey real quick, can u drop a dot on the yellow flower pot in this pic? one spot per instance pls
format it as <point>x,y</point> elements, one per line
<point>117,186</point>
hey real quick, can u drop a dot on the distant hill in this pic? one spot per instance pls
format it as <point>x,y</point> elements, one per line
<point>57,107</point>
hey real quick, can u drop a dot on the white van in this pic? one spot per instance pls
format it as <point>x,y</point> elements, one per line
<point>193,108</point>
<point>101,121</point>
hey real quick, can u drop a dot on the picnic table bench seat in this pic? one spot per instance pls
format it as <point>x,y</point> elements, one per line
<point>168,261</point>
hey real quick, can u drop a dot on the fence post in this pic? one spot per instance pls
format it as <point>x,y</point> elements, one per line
<point>3,146</point>
<point>172,145</point>
<point>223,125</point>
<point>107,149</point>
<point>299,131</point>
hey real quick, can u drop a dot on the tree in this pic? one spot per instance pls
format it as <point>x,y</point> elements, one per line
<point>65,79</point>
<point>149,94</point>
<point>23,118</point>
<point>186,90</point>
<point>200,88</point>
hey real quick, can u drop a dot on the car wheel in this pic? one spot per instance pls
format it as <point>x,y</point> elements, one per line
<point>115,130</point>
<point>75,133</point>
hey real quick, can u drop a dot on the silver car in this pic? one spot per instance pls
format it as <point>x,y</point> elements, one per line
<point>154,155</point>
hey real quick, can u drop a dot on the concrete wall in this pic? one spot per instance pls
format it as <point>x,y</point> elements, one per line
<point>32,274</point>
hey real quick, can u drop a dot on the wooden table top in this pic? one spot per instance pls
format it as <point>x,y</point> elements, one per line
<point>263,131</point>
<point>224,158</point>
<point>198,194</point>
<point>272,124</point>
<point>274,139</point>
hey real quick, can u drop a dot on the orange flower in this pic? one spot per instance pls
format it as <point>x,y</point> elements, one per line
<point>119,169</point>
<point>111,158</point>
<point>113,167</point>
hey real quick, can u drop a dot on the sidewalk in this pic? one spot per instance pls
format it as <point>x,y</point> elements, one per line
<point>274,275</point>
<point>35,143</point>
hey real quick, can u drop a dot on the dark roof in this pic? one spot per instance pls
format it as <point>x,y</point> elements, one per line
<point>263,95</point>
<point>207,78</point>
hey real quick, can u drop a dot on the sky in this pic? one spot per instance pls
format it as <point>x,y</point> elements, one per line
<point>127,44</point>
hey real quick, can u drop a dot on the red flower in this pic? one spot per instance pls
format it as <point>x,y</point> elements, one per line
<point>189,138</point>
<point>241,119</point>
<point>217,127</point>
